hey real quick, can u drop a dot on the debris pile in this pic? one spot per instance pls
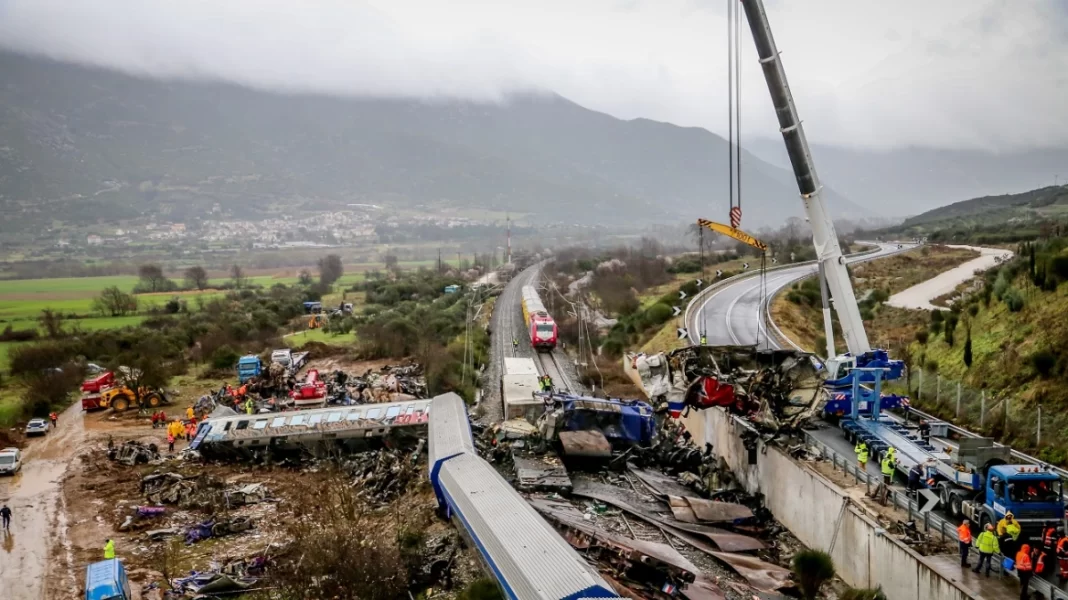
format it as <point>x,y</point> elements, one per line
<point>778,390</point>
<point>133,453</point>
<point>199,491</point>
<point>380,476</point>
<point>391,383</point>
<point>232,577</point>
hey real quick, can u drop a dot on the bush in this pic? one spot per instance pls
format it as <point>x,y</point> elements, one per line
<point>973,309</point>
<point>481,589</point>
<point>18,335</point>
<point>937,316</point>
<point>1013,299</point>
<point>1043,361</point>
<point>922,336</point>
<point>658,314</point>
<point>812,568</point>
<point>224,357</point>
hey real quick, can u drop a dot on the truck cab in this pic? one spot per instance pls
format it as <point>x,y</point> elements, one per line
<point>106,580</point>
<point>248,366</point>
<point>840,369</point>
<point>1033,495</point>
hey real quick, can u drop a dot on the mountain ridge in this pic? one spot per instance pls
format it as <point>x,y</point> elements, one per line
<point>87,143</point>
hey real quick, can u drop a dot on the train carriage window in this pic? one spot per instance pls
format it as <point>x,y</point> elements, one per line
<point>373,413</point>
<point>392,412</point>
<point>411,409</point>
<point>278,422</point>
<point>315,419</point>
<point>297,420</point>
<point>353,416</point>
<point>241,425</point>
<point>260,424</point>
<point>334,417</point>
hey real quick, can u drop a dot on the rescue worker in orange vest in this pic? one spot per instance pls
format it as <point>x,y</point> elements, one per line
<point>190,431</point>
<point>52,416</point>
<point>1062,557</point>
<point>1024,569</point>
<point>1050,537</point>
<point>964,538</point>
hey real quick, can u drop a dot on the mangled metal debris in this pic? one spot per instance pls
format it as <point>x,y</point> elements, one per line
<point>540,472</point>
<point>778,390</point>
<point>133,453</point>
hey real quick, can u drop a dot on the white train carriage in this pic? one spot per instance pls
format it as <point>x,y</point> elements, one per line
<point>519,381</point>
<point>529,560</point>
<point>331,426</point>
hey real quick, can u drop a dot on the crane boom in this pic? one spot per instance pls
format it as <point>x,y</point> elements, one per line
<point>828,252</point>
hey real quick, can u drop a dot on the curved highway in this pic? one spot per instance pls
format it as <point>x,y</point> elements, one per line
<point>735,312</point>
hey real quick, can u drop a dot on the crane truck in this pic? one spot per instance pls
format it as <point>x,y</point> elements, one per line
<point>975,479</point>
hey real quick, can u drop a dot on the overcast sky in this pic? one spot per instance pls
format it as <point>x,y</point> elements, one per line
<point>987,74</point>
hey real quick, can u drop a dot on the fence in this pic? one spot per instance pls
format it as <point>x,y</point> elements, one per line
<point>1000,416</point>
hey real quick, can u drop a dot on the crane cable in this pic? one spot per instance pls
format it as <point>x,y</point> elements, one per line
<point>734,154</point>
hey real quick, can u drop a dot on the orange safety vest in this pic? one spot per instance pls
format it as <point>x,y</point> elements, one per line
<point>1048,536</point>
<point>1062,547</point>
<point>1023,559</point>
<point>964,533</point>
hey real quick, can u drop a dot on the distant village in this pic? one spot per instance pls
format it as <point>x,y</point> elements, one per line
<point>326,229</point>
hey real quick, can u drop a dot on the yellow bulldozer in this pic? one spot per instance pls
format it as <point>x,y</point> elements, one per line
<point>120,398</point>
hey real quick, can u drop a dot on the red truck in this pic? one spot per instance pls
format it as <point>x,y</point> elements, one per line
<point>91,389</point>
<point>310,392</point>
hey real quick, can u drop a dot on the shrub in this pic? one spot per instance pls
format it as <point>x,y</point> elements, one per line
<point>224,357</point>
<point>973,309</point>
<point>1043,361</point>
<point>937,316</point>
<point>812,568</point>
<point>658,313</point>
<point>18,335</point>
<point>922,336</point>
<point>1013,299</point>
<point>481,589</point>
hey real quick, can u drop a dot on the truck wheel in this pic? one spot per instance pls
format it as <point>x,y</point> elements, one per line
<point>120,403</point>
<point>943,496</point>
<point>984,520</point>
<point>152,400</point>
<point>955,505</point>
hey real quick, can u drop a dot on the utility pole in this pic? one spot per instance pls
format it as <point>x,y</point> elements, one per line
<point>508,220</point>
<point>439,261</point>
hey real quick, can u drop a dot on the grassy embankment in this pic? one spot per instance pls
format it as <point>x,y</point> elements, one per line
<point>797,311</point>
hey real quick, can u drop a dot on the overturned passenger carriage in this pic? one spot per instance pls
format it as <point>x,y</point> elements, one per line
<point>318,431</point>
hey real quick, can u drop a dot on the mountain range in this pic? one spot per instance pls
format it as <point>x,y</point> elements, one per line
<point>83,144</point>
<point>905,182</point>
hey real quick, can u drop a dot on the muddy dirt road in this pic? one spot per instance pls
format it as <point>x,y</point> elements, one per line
<point>34,498</point>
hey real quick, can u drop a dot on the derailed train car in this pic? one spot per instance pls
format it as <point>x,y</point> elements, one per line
<point>318,431</point>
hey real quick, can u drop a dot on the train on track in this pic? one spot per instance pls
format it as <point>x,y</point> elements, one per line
<point>540,324</point>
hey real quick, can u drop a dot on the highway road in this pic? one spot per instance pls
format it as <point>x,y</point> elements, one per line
<point>735,313</point>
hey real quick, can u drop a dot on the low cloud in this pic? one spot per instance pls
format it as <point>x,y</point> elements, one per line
<point>958,73</point>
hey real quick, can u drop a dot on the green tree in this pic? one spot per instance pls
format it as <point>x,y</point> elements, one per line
<point>237,276</point>
<point>968,349</point>
<point>114,302</point>
<point>330,269</point>
<point>196,277</point>
<point>52,322</point>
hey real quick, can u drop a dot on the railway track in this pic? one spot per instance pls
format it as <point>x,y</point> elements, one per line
<point>547,362</point>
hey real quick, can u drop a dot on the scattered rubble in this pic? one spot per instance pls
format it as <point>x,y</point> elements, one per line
<point>133,452</point>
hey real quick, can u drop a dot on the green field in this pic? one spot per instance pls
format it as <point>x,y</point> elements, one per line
<point>296,340</point>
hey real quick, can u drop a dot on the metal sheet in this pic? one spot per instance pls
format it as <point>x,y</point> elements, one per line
<point>534,474</point>
<point>710,511</point>
<point>760,574</point>
<point>658,483</point>
<point>591,444</point>
<point>724,540</point>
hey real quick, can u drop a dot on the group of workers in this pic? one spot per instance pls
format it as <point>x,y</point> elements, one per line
<point>176,427</point>
<point>1004,539</point>
<point>886,465</point>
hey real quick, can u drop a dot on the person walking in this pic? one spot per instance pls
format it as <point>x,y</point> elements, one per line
<point>964,538</point>
<point>1024,569</point>
<point>861,450</point>
<point>987,544</point>
<point>5,515</point>
<point>170,441</point>
<point>52,416</point>
<point>109,549</point>
<point>925,431</point>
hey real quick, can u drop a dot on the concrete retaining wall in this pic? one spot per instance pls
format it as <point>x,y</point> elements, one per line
<point>819,513</point>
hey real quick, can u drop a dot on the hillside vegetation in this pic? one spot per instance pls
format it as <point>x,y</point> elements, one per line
<point>798,312</point>
<point>1008,218</point>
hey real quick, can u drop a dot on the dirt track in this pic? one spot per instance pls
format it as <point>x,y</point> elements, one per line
<point>34,498</point>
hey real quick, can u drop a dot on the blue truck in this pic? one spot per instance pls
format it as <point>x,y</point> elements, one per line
<point>973,480</point>
<point>106,580</point>
<point>249,366</point>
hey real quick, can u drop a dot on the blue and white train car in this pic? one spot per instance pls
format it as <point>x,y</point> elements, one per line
<point>525,554</point>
